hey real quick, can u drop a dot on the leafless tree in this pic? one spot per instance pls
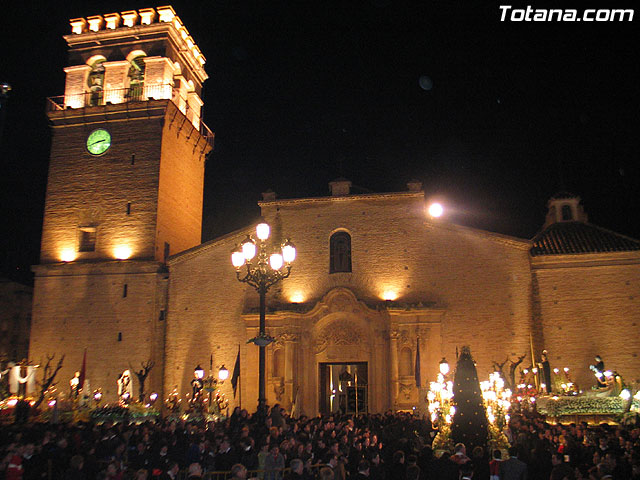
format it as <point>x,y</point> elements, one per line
<point>510,378</point>
<point>49,375</point>
<point>142,377</point>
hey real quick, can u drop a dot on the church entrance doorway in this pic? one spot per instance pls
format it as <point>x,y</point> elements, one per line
<point>344,387</point>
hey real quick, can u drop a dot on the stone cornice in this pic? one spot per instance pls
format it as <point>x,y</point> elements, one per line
<point>116,267</point>
<point>585,260</point>
<point>106,113</point>
<point>343,198</point>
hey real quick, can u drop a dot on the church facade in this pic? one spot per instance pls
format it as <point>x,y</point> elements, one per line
<point>378,288</point>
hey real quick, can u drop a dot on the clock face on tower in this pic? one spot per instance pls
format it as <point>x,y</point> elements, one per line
<point>98,141</point>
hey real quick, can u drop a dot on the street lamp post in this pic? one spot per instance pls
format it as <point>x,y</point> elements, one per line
<point>264,267</point>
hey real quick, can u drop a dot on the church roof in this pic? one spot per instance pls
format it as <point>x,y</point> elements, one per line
<point>568,238</point>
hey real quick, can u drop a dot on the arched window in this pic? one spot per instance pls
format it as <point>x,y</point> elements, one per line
<point>136,78</point>
<point>95,81</point>
<point>567,214</point>
<point>340,252</point>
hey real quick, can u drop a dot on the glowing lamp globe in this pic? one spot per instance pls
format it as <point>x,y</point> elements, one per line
<point>262,231</point>
<point>248,248</point>
<point>223,373</point>
<point>199,372</point>
<point>275,260</point>
<point>237,258</point>
<point>288,251</point>
<point>444,366</point>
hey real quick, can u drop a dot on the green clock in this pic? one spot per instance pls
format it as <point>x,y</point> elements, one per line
<point>98,141</point>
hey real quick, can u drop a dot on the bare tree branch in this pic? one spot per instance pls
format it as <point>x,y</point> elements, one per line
<point>48,378</point>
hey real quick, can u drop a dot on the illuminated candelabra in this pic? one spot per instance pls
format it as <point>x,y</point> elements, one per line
<point>497,400</point>
<point>173,401</point>
<point>439,396</point>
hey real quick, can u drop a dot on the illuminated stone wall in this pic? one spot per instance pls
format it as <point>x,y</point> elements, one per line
<point>85,190</point>
<point>181,182</point>
<point>78,306</point>
<point>480,279</point>
<point>588,305</point>
<point>450,285</point>
<point>204,317</point>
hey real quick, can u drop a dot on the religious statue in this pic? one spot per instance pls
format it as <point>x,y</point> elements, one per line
<point>74,385</point>
<point>22,379</point>
<point>125,387</point>
<point>545,372</point>
<point>598,370</point>
<point>196,387</point>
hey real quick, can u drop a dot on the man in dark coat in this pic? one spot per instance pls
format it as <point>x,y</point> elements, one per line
<point>513,469</point>
<point>226,457</point>
<point>560,469</point>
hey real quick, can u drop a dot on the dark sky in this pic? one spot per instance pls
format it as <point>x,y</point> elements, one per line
<point>302,92</point>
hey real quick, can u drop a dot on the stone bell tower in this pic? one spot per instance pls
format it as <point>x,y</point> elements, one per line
<point>124,191</point>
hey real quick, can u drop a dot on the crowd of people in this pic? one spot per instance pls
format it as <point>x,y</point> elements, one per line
<point>391,446</point>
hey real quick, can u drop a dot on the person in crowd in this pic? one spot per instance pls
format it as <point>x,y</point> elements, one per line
<point>480,463</point>
<point>171,473</point>
<point>390,442</point>
<point>466,471</point>
<point>274,464</point>
<point>561,470</point>
<point>238,472</point>
<point>297,470</point>
<point>513,468</point>
<point>195,471</point>
<point>494,465</point>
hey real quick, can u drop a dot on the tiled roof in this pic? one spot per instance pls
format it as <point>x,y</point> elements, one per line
<point>567,238</point>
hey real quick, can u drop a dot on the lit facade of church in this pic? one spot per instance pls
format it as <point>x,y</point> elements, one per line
<point>124,276</point>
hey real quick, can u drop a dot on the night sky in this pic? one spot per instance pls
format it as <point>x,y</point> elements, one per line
<point>493,117</point>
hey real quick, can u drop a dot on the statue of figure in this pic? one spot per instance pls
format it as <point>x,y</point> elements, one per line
<point>22,385</point>
<point>125,388</point>
<point>545,370</point>
<point>598,370</point>
<point>74,385</point>
<point>196,388</point>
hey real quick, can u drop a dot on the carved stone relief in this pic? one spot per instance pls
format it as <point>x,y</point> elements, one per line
<point>339,332</point>
<point>406,389</point>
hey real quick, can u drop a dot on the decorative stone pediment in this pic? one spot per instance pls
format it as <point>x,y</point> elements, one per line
<point>340,320</point>
<point>339,332</point>
<point>341,300</point>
